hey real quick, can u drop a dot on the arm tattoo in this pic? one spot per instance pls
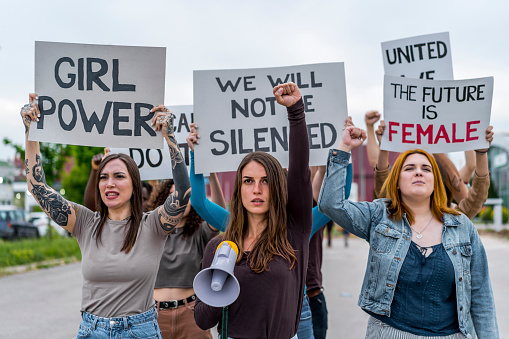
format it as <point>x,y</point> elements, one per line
<point>27,170</point>
<point>168,131</point>
<point>175,154</point>
<point>172,212</point>
<point>175,205</point>
<point>49,200</point>
<point>38,171</point>
<point>456,183</point>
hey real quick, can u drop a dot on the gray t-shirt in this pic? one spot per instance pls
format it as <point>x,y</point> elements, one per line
<point>182,255</point>
<point>116,284</point>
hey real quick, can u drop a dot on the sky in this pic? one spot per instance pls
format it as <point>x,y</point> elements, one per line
<point>207,35</point>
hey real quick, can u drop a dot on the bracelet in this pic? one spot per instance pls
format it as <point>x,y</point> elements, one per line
<point>478,152</point>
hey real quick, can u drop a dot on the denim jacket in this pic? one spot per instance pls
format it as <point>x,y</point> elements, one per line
<point>389,241</point>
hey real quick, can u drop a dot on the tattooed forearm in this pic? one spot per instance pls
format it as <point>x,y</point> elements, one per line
<point>51,202</point>
<point>456,183</point>
<point>38,171</point>
<point>175,154</point>
<point>172,212</point>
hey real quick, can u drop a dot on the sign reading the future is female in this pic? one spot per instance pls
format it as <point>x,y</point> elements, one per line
<point>98,95</point>
<point>237,113</point>
<point>438,116</point>
<point>420,57</point>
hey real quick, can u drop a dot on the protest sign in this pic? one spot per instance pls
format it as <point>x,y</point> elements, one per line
<point>156,163</point>
<point>420,57</point>
<point>438,116</point>
<point>98,95</point>
<point>237,113</point>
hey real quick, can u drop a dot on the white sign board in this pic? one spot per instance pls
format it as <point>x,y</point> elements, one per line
<point>155,164</point>
<point>438,116</point>
<point>237,113</point>
<point>420,57</point>
<point>96,95</point>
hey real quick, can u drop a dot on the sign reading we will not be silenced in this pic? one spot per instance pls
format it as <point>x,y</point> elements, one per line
<point>438,116</point>
<point>237,113</point>
<point>420,57</point>
<point>96,95</point>
<point>155,164</point>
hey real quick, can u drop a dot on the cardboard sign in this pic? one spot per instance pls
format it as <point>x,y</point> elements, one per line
<point>155,164</point>
<point>438,116</point>
<point>421,57</point>
<point>96,95</point>
<point>237,113</point>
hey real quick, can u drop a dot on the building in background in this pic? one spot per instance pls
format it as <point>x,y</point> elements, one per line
<point>7,174</point>
<point>498,159</point>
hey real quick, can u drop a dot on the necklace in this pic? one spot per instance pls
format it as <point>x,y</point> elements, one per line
<point>419,235</point>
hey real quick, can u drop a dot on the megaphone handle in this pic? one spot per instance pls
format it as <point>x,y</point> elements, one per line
<point>224,323</point>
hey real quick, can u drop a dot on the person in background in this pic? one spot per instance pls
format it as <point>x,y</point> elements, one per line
<point>180,262</point>
<point>120,245</point>
<point>371,117</point>
<point>427,272</point>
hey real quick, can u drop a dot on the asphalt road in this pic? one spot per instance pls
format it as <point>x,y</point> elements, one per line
<point>45,303</point>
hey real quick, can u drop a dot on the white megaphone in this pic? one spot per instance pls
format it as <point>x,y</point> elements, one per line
<point>217,286</point>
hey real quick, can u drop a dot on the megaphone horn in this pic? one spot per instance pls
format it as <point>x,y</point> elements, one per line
<point>217,286</point>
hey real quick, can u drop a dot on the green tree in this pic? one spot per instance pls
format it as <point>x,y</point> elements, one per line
<point>76,180</point>
<point>53,158</point>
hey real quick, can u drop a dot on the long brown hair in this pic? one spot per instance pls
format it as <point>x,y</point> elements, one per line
<point>159,195</point>
<point>390,190</point>
<point>273,239</point>
<point>136,201</point>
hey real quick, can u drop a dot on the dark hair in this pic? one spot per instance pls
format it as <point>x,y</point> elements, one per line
<point>273,239</point>
<point>136,201</point>
<point>160,193</point>
<point>158,197</point>
<point>147,186</point>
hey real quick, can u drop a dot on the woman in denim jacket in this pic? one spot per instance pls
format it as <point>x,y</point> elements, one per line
<point>427,271</point>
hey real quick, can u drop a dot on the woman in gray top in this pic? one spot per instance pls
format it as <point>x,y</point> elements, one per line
<point>120,245</point>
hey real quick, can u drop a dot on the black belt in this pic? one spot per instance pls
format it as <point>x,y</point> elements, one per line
<point>175,303</point>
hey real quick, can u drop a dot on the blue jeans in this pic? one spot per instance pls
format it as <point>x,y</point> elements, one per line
<point>319,311</point>
<point>306,324</point>
<point>143,326</point>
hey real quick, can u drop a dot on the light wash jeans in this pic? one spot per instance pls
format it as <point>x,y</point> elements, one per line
<point>306,321</point>
<point>143,325</point>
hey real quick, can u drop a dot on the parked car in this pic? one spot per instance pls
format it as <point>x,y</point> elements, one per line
<point>14,224</point>
<point>41,220</point>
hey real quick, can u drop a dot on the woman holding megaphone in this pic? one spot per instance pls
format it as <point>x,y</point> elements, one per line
<point>270,222</point>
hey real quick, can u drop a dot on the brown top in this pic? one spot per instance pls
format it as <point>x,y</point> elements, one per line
<point>270,302</point>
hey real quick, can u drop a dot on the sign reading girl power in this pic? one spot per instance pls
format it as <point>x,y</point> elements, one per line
<point>438,116</point>
<point>420,57</point>
<point>98,95</point>
<point>156,163</point>
<point>237,113</point>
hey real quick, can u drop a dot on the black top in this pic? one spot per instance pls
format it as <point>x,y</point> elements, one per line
<point>424,301</point>
<point>270,302</point>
